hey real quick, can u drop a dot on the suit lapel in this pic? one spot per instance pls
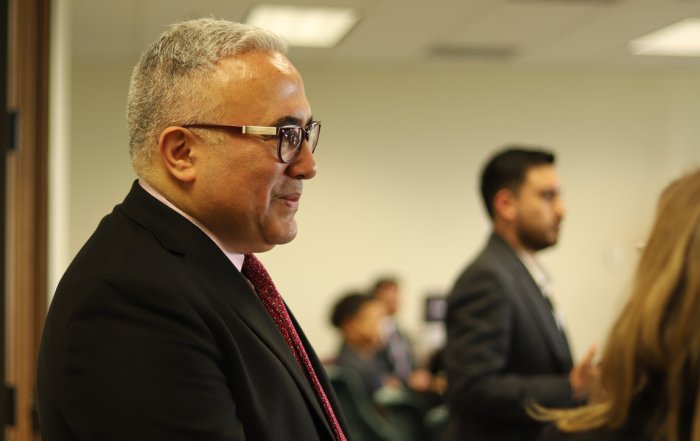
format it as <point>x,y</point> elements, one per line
<point>240,295</point>
<point>323,379</point>
<point>535,302</point>
<point>181,237</point>
<point>252,312</point>
<point>542,313</point>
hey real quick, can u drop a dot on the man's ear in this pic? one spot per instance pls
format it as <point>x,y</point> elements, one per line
<point>504,204</point>
<point>177,152</point>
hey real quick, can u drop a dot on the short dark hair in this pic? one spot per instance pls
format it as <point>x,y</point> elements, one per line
<point>347,307</point>
<point>382,283</point>
<point>508,168</point>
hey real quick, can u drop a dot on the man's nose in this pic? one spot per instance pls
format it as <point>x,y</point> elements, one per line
<point>304,166</point>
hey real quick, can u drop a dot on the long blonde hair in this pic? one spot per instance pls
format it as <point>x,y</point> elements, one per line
<point>654,346</point>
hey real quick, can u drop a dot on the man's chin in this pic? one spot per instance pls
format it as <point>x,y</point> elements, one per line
<point>285,240</point>
<point>539,245</point>
<point>282,235</point>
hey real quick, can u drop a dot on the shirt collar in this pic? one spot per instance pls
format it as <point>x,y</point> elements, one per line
<point>235,257</point>
<point>536,272</point>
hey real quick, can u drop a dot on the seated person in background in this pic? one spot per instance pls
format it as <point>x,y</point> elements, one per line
<point>650,370</point>
<point>359,317</point>
<point>397,351</point>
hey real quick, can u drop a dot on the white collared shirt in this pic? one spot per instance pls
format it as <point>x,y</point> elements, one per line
<point>542,280</point>
<point>535,270</point>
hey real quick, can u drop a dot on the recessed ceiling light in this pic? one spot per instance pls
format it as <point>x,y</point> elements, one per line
<point>305,26</point>
<point>681,39</point>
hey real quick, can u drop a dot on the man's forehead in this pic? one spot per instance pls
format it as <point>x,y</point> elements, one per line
<point>253,65</point>
<point>263,87</point>
<point>282,63</point>
<point>542,176</point>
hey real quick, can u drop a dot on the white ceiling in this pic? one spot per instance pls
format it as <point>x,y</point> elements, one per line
<point>586,33</point>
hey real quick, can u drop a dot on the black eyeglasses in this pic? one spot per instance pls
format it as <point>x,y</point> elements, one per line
<point>289,138</point>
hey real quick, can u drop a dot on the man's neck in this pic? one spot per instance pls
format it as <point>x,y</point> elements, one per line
<point>234,256</point>
<point>510,237</point>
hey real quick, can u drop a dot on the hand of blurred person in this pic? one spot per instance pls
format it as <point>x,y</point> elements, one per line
<point>584,375</point>
<point>420,380</point>
<point>439,384</point>
<point>391,382</point>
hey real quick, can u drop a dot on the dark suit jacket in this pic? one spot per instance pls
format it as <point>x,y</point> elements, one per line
<point>373,370</point>
<point>503,350</point>
<point>153,334</point>
<point>397,354</point>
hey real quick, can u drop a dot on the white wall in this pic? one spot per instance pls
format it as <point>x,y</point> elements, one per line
<point>399,158</point>
<point>100,168</point>
<point>59,140</point>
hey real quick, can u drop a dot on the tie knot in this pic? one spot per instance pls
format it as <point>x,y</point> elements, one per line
<point>253,268</point>
<point>250,263</point>
<point>258,276</point>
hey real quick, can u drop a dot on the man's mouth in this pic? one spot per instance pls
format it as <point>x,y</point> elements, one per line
<point>291,199</point>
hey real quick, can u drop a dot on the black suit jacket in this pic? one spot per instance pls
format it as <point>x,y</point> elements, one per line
<point>153,334</point>
<point>503,350</point>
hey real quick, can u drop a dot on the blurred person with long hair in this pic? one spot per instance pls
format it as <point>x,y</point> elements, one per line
<point>651,363</point>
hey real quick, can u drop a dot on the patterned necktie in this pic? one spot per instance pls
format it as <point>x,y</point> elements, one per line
<point>255,272</point>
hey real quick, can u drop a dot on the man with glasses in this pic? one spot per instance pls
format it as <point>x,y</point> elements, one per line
<point>166,326</point>
<point>506,348</point>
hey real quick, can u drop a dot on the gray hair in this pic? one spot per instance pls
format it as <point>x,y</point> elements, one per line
<point>168,82</point>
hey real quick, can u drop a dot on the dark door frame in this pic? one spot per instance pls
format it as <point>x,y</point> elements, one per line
<point>4,136</point>
<point>24,49</point>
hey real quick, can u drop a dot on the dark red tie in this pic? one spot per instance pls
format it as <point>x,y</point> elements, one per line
<point>255,272</point>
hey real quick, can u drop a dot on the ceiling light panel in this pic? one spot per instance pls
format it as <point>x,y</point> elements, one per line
<point>681,39</point>
<point>305,26</point>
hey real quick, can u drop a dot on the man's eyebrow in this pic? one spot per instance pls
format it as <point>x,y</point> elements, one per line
<point>290,121</point>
